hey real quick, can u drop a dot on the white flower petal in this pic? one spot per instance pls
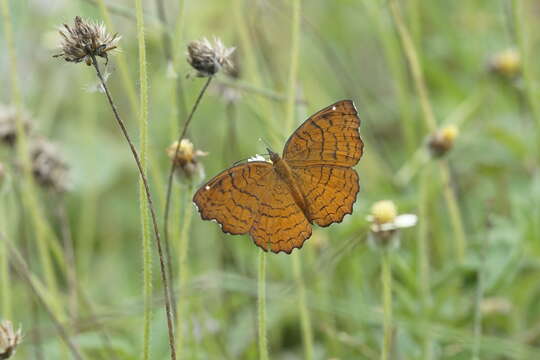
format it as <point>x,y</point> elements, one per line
<point>405,220</point>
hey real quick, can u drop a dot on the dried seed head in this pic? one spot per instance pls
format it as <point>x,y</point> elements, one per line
<point>86,40</point>
<point>9,339</point>
<point>443,140</point>
<point>8,124</point>
<point>506,63</point>
<point>186,160</point>
<point>385,223</point>
<point>48,166</point>
<point>495,305</point>
<point>207,58</point>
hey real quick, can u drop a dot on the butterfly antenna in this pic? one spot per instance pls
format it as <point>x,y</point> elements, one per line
<point>268,147</point>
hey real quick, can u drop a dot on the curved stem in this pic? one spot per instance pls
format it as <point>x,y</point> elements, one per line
<point>170,180</point>
<point>164,277</point>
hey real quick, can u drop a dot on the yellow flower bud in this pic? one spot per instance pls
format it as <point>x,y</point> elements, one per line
<point>384,211</point>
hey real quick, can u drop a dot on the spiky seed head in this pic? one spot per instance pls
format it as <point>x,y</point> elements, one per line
<point>186,160</point>
<point>9,339</point>
<point>209,58</point>
<point>443,140</point>
<point>85,40</point>
<point>49,168</point>
<point>8,124</point>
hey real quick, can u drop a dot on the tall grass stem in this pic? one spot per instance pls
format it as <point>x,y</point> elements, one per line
<point>164,276</point>
<point>263,338</point>
<point>386,281</point>
<point>143,205</point>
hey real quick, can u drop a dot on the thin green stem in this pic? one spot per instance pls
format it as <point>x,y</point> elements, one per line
<point>23,270</point>
<point>143,205</point>
<point>430,123</point>
<point>121,60</point>
<point>44,238</point>
<point>521,22</point>
<point>305,319</point>
<point>453,210</point>
<point>171,176</point>
<point>183,275</point>
<point>386,281</point>
<point>423,259</point>
<point>164,276</point>
<point>307,333</point>
<point>414,64</point>
<point>398,70</point>
<point>480,288</point>
<point>263,339</point>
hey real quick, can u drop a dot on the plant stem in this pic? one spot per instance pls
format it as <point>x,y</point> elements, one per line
<point>453,210</point>
<point>171,176</point>
<point>44,235</point>
<point>521,21</point>
<point>22,268</point>
<point>183,271</point>
<point>121,60</point>
<point>142,174</point>
<point>307,333</point>
<point>483,248</point>
<point>386,280</point>
<point>263,340</point>
<point>430,123</point>
<point>415,66</point>
<point>423,259</point>
<point>143,206</point>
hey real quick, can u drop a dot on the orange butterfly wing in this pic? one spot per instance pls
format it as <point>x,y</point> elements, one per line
<point>321,153</point>
<point>252,198</point>
<point>329,137</point>
<point>232,197</point>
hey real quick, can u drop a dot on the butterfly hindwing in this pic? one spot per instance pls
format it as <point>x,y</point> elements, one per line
<point>280,224</point>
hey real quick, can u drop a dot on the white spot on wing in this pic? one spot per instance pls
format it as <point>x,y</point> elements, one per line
<point>333,108</point>
<point>207,187</point>
<point>257,157</point>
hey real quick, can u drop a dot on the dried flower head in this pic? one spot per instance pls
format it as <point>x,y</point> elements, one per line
<point>49,168</point>
<point>385,224</point>
<point>186,159</point>
<point>207,58</point>
<point>86,40</point>
<point>506,63</point>
<point>495,305</point>
<point>443,140</point>
<point>8,124</point>
<point>9,339</point>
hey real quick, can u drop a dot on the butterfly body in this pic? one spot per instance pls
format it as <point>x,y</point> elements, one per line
<point>277,201</point>
<point>285,173</point>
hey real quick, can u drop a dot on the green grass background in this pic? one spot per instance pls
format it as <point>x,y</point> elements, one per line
<point>348,49</point>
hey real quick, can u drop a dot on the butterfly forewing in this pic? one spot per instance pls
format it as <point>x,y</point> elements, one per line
<point>329,137</point>
<point>232,197</point>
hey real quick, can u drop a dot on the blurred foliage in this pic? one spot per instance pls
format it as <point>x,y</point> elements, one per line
<point>349,49</point>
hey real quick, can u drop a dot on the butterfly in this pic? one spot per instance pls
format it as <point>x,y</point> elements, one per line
<point>277,201</point>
